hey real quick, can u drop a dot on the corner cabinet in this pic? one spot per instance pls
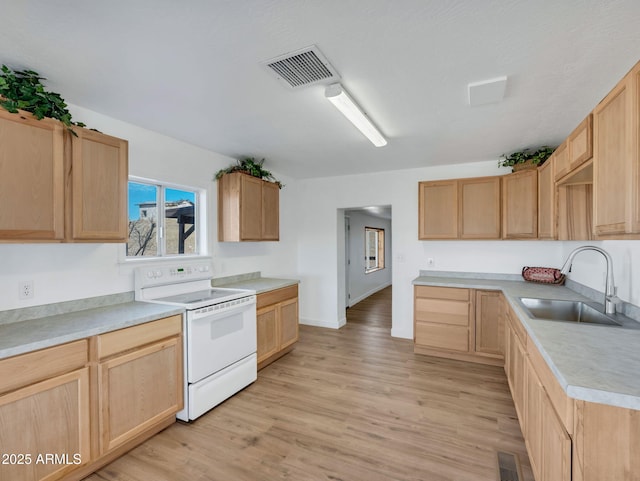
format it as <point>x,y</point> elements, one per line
<point>248,209</point>
<point>277,318</point>
<point>547,200</point>
<point>616,160</point>
<point>58,187</point>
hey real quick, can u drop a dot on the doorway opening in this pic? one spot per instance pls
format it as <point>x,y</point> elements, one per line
<point>367,269</point>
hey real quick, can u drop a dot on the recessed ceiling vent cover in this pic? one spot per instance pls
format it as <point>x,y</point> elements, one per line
<point>303,67</point>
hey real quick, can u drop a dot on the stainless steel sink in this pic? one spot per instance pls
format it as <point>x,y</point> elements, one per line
<point>570,311</point>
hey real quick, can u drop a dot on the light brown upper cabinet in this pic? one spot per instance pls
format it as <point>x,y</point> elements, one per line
<point>58,187</point>
<point>98,170</point>
<point>479,208</point>
<point>438,209</point>
<point>561,164</point>
<point>616,175</point>
<point>31,178</point>
<point>460,208</point>
<point>547,200</point>
<point>580,143</point>
<point>248,209</point>
<point>520,205</point>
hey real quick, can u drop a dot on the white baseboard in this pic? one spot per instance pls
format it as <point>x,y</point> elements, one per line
<point>353,302</point>
<point>401,333</point>
<point>319,323</point>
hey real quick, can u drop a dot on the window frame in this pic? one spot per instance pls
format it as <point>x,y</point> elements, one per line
<point>199,215</point>
<point>380,247</point>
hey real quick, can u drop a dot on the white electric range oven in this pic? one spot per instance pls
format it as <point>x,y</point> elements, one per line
<point>219,331</point>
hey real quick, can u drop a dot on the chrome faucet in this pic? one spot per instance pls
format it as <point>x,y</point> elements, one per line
<point>610,297</point>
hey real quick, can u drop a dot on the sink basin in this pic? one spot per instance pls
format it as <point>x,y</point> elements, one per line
<point>571,311</point>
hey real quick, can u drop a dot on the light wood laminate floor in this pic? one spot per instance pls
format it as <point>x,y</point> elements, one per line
<point>345,405</point>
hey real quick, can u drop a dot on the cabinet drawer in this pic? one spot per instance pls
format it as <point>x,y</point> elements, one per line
<point>124,339</point>
<point>275,296</point>
<point>452,293</point>
<point>453,338</point>
<point>442,311</point>
<point>25,369</point>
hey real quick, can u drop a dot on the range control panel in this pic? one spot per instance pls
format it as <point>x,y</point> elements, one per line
<point>150,276</point>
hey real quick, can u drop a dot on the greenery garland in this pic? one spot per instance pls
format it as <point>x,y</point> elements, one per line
<point>252,167</point>
<point>537,157</point>
<point>23,90</point>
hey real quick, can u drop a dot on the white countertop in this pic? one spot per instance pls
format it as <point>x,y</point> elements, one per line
<point>261,284</point>
<point>33,334</point>
<point>591,362</point>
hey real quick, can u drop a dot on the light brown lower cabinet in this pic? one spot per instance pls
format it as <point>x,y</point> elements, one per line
<point>131,400</point>
<point>277,318</point>
<point>458,323</point>
<point>44,428</point>
<point>68,410</point>
<point>548,443</point>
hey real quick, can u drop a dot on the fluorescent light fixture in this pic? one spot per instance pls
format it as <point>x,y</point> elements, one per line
<point>345,104</point>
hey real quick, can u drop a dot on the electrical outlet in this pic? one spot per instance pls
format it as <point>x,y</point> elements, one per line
<point>25,290</point>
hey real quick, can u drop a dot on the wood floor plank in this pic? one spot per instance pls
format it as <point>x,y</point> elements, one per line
<point>350,404</point>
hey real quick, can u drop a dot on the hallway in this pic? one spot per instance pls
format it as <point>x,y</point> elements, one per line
<point>374,311</point>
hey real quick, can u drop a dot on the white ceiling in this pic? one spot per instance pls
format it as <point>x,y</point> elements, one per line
<point>192,70</point>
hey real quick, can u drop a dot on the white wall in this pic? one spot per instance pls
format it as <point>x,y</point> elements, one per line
<point>64,272</point>
<point>362,285</point>
<point>323,286</point>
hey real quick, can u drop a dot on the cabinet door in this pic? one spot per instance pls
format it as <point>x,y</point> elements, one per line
<point>556,445</point>
<point>479,208</point>
<point>438,210</point>
<point>288,323</point>
<point>250,208</point>
<point>516,375</point>
<point>489,324</point>
<point>270,211</point>
<point>31,178</point>
<point>99,173</point>
<point>138,390</point>
<point>546,201</point>
<point>520,205</point>
<point>580,143</point>
<point>616,173</point>
<point>561,161</point>
<point>47,418</point>
<point>533,420</point>
<point>575,212</point>
<point>267,332</point>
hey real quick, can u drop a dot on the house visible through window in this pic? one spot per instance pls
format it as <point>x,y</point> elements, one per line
<point>373,249</point>
<point>163,220</point>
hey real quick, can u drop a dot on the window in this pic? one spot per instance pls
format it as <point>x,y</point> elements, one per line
<point>164,220</point>
<point>373,249</point>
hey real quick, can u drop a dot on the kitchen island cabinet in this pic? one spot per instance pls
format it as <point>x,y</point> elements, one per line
<point>277,318</point>
<point>56,186</point>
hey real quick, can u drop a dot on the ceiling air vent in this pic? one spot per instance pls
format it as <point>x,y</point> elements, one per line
<point>303,67</point>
